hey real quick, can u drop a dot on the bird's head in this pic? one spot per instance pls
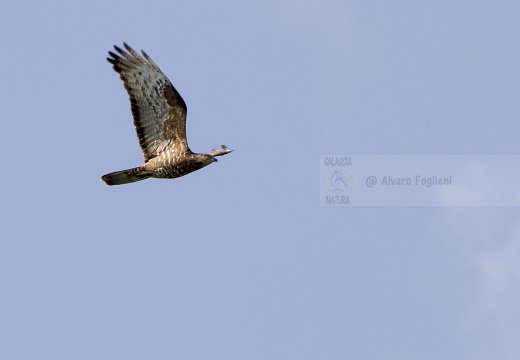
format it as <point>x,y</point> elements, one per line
<point>202,160</point>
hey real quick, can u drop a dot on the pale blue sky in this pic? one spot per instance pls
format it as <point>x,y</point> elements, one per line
<point>238,260</point>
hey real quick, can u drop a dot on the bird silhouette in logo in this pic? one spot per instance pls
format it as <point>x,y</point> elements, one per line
<point>338,181</point>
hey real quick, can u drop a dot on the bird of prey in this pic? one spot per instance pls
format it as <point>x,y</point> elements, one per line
<point>159,114</point>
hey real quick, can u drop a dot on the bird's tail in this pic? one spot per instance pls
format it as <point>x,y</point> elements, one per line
<point>126,176</point>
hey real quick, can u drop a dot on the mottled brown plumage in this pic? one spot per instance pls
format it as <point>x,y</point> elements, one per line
<point>159,114</point>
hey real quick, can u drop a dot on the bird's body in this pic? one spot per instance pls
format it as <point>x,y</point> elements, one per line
<point>159,114</point>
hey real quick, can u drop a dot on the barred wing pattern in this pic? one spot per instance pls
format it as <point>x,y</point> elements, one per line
<point>158,110</point>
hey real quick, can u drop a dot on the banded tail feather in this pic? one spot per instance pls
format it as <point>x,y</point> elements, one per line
<point>126,176</point>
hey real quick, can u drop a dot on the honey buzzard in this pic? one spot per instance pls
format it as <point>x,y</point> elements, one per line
<point>159,114</point>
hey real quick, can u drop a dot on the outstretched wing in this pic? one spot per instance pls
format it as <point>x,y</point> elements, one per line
<point>158,109</point>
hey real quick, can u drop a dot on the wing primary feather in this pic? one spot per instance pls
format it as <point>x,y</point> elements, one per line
<point>149,59</point>
<point>134,53</point>
<point>127,56</point>
<point>119,50</point>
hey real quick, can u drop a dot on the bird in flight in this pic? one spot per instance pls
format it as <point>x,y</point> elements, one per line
<point>159,114</point>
